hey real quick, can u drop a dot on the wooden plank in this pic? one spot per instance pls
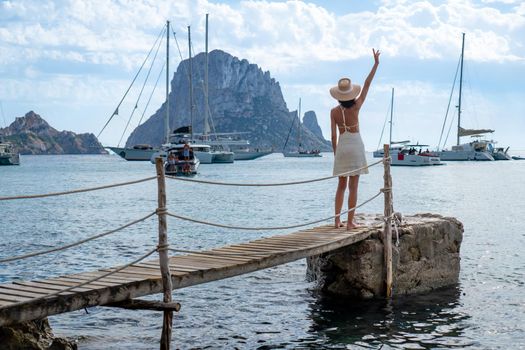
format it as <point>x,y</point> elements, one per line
<point>80,279</point>
<point>14,292</point>
<point>30,289</point>
<point>47,286</point>
<point>112,278</point>
<point>15,299</point>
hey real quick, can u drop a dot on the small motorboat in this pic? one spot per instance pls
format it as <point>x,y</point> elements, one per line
<point>181,161</point>
<point>518,158</point>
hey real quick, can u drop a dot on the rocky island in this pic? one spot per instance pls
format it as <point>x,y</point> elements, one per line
<point>31,134</point>
<point>242,98</point>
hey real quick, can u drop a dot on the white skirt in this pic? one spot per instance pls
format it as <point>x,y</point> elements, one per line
<point>350,154</point>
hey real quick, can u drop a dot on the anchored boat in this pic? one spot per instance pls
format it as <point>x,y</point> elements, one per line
<point>8,156</point>
<point>474,150</point>
<point>300,153</point>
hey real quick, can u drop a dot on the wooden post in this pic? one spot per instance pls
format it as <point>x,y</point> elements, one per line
<point>165,339</point>
<point>387,233</point>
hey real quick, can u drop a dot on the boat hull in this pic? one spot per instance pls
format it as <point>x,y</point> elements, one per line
<point>248,155</point>
<point>301,155</point>
<point>399,159</point>
<point>222,157</point>
<point>10,160</point>
<point>133,154</point>
<point>464,156</point>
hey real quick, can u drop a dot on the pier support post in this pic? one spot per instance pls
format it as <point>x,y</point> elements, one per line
<point>387,232</point>
<point>165,339</point>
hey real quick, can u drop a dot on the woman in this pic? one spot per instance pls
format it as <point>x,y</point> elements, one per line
<point>349,150</point>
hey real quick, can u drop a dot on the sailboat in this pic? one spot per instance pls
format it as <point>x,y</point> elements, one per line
<point>476,149</point>
<point>394,145</point>
<point>185,135</point>
<point>300,153</point>
<point>405,154</point>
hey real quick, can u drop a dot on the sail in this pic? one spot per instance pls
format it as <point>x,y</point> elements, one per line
<point>468,132</point>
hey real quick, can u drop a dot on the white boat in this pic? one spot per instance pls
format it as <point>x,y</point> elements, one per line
<point>394,145</point>
<point>8,156</point>
<point>413,155</point>
<point>233,142</point>
<point>474,150</point>
<point>300,153</point>
<point>403,153</point>
<point>136,153</point>
<point>176,164</point>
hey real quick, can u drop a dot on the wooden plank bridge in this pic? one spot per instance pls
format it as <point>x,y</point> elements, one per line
<point>26,300</point>
<point>120,286</point>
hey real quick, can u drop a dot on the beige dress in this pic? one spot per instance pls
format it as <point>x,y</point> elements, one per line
<point>350,152</point>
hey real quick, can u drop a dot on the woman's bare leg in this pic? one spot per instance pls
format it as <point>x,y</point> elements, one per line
<point>339,198</point>
<point>352,201</point>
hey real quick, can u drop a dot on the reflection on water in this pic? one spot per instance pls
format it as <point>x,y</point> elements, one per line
<point>410,322</point>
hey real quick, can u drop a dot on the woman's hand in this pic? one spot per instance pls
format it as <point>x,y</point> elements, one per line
<point>376,56</point>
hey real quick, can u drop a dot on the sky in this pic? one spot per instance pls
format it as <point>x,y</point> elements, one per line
<point>72,61</point>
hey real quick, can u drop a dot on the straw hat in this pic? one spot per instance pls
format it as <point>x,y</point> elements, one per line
<point>345,90</point>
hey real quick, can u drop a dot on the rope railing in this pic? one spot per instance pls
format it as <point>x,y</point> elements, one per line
<point>70,245</point>
<point>32,196</point>
<point>274,227</point>
<point>241,184</point>
<point>112,272</point>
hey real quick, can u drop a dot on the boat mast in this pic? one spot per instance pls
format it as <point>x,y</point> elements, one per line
<point>391,114</point>
<point>299,115</point>
<point>460,84</point>
<point>191,85</point>
<point>207,106</point>
<point>167,119</point>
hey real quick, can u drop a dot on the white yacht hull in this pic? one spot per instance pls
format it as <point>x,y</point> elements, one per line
<point>400,159</point>
<point>464,156</point>
<point>249,155</point>
<point>301,155</point>
<point>133,154</point>
<point>222,157</point>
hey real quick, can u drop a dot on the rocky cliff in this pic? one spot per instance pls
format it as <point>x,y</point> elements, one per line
<point>310,122</point>
<point>242,98</point>
<point>31,134</point>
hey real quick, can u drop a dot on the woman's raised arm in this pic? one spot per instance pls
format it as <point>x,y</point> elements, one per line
<point>369,79</point>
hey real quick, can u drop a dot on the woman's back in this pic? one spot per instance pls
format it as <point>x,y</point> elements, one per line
<point>346,119</point>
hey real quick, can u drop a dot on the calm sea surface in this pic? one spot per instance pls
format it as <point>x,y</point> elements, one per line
<point>275,308</point>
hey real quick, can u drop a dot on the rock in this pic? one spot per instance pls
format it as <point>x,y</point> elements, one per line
<point>33,335</point>
<point>31,134</point>
<point>310,123</point>
<point>427,258</point>
<point>242,98</point>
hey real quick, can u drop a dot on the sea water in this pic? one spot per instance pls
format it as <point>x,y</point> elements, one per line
<point>277,307</point>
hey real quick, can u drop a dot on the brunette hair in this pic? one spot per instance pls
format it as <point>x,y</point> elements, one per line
<point>347,104</point>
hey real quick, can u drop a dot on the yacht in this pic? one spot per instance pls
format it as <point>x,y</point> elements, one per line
<point>8,156</point>
<point>413,155</point>
<point>300,153</point>
<point>177,164</point>
<point>136,153</point>
<point>474,150</point>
